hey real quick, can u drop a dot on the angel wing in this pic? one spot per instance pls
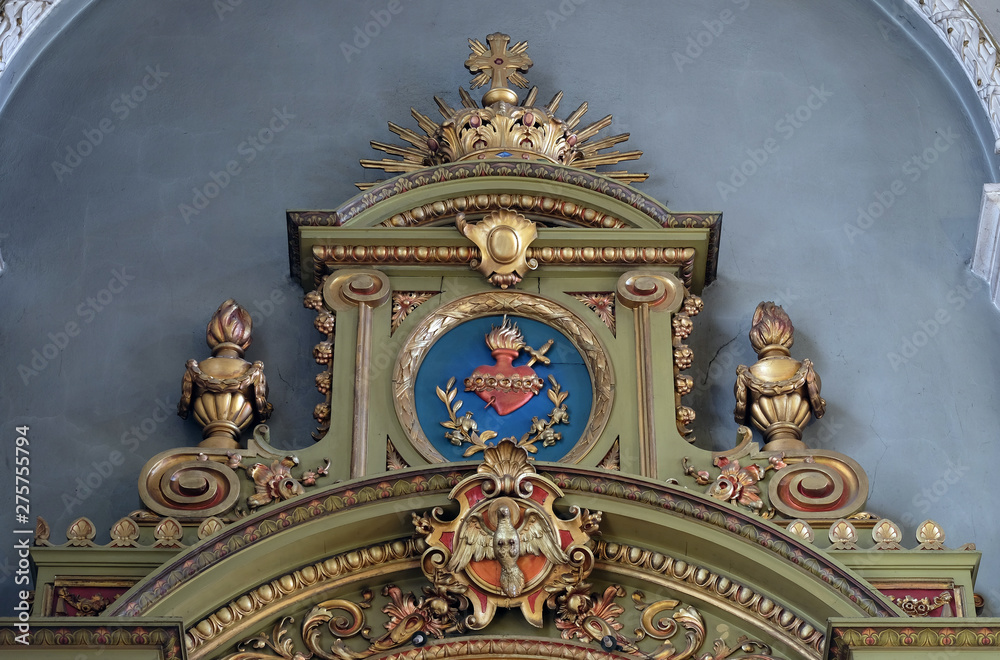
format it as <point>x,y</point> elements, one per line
<point>474,544</point>
<point>538,538</point>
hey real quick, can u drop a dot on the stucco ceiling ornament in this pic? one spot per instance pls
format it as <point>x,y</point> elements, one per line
<point>502,127</point>
<point>507,547</point>
<point>18,19</point>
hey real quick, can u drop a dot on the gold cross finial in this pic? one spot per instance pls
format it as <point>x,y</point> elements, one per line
<point>496,65</point>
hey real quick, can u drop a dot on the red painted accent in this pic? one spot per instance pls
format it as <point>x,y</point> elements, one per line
<point>447,538</point>
<point>488,571</point>
<point>540,495</point>
<point>84,593</point>
<point>565,538</point>
<point>532,598</point>
<point>532,565</point>
<point>505,402</point>
<point>473,495</point>
<point>946,610</point>
<point>801,502</point>
<point>481,597</point>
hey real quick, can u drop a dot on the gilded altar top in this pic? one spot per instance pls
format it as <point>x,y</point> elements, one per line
<point>502,127</point>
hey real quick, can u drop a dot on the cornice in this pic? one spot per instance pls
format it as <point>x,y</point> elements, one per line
<point>958,25</point>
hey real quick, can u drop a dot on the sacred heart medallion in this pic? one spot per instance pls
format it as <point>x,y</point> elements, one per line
<point>502,385</point>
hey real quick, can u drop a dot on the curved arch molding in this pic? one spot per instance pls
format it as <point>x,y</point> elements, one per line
<point>383,506</point>
<point>958,25</point>
<point>563,194</point>
<point>18,19</point>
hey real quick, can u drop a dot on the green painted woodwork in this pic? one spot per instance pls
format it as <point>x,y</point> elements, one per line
<point>378,210</point>
<point>956,566</point>
<point>51,563</point>
<point>104,638</point>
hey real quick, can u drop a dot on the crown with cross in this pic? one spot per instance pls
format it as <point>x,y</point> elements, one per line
<point>503,127</point>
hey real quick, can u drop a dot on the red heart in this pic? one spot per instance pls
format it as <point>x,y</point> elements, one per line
<point>498,385</point>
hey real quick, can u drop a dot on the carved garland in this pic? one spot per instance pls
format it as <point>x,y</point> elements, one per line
<point>325,323</point>
<point>415,621</point>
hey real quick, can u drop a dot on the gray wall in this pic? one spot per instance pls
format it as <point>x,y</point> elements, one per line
<point>923,424</point>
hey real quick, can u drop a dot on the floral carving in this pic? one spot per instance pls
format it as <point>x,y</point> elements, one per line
<point>589,617</point>
<point>736,484</point>
<point>603,305</point>
<point>275,482</point>
<point>85,606</point>
<point>404,302</point>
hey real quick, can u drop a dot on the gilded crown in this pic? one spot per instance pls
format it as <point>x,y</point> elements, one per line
<point>503,127</point>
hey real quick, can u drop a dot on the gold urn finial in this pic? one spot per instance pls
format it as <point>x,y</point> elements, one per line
<point>225,391</point>
<point>778,394</point>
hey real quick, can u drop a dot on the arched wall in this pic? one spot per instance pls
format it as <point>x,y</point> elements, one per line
<point>113,230</point>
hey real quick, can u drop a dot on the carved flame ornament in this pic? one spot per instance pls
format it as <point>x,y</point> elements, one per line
<point>225,391</point>
<point>778,393</point>
<point>506,547</point>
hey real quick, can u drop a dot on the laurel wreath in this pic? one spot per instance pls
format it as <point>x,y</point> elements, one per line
<point>465,429</point>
